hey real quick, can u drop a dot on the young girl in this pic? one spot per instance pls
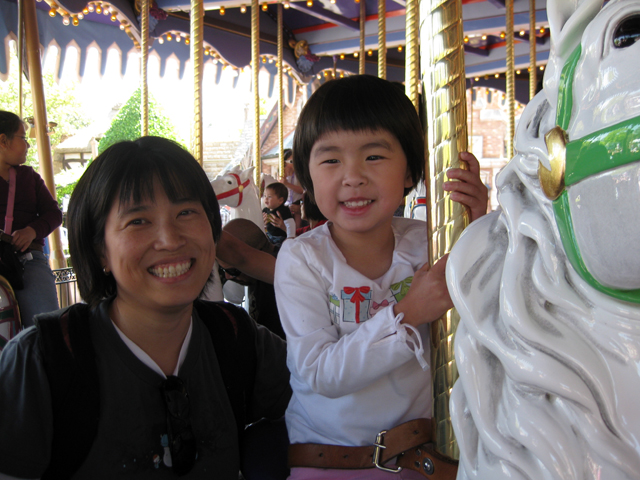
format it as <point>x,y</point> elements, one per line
<point>35,215</point>
<point>356,294</point>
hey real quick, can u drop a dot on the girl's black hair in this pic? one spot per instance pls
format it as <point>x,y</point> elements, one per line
<point>9,123</point>
<point>311,210</point>
<point>123,173</point>
<point>359,103</point>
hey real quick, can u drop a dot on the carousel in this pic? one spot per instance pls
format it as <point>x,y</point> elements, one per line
<point>438,50</point>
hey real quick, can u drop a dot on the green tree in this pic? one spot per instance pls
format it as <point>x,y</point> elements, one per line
<point>62,106</point>
<point>127,124</point>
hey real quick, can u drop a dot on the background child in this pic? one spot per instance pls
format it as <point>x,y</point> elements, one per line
<point>35,215</point>
<point>275,194</point>
<point>289,180</point>
<point>356,294</point>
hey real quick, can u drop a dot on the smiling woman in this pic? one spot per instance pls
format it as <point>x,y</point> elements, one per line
<point>143,226</point>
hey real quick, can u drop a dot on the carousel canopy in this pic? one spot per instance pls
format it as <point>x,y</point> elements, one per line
<point>319,34</point>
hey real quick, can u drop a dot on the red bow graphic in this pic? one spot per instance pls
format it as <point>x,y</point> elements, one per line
<point>357,297</point>
<point>384,303</point>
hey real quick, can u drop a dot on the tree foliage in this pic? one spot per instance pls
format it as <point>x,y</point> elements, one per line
<point>127,124</point>
<point>62,106</point>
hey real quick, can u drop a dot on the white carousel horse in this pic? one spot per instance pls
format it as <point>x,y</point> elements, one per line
<point>9,313</point>
<point>548,287</point>
<point>237,190</point>
<point>416,203</point>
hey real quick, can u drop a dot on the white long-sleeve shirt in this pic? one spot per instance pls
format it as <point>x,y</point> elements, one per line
<point>355,369</point>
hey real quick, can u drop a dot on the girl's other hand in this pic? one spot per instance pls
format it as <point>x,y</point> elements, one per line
<point>469,190</point>
<point>23,238</point>
<point>428,297</point>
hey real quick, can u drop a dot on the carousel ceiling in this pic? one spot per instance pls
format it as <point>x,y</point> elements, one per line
<point>329,28</point>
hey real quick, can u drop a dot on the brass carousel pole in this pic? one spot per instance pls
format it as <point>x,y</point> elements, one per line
<point>280,93</point>
<point>533,76</point>
<point>197,59</point>
<point>412,52</point>
<point>362,52</point>
<point>20,54</point>
<point>255,65</point>
<point>510,79</point>
<point>144,58</point>
<point>40,117</point>
<point>445,97</point>
<point>382,39</point>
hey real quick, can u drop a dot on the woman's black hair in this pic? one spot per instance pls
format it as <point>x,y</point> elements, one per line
<point>359,103</point>
<point>9,123</point>
<point>123,173</point>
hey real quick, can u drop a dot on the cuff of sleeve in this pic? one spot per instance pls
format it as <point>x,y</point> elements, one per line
<point>290,225</point>
<point>410,335</point>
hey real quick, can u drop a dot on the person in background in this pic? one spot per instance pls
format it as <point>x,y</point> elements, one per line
<point>35,215</point>
<point>262,298</point>
<point>173,380</point>
<point>311,214</point>
<point>290,181</point>
<point>275,195</point>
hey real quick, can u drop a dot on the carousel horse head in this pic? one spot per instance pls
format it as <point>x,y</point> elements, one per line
<point>237,190</point>
<point>548,288</point>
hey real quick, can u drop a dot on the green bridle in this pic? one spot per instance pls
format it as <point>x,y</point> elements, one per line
<point>573,161</point>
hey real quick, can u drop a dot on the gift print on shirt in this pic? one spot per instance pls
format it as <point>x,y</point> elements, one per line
<point>400,289</point>
<point>358,306</point>
<point>355,304</point>
<point>334,309</point>
<point>376,307</point>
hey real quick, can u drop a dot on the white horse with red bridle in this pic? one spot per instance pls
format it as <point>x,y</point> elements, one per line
<point>236,189</point>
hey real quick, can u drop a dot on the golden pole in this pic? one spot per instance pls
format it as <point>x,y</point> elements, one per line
<point>412,52</point>
<point>144,46</point>
<point>510,79</point>
<point>533,74</point>
<point>197,44</point>
<point>40,117</point>
<point>382,39</point>
<point>362,52</point>
<point>20,54</point>
<point>255,64</point>
<point>446,105</point>
<point>280,93</point>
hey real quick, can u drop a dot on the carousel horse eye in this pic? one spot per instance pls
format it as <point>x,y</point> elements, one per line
<point>628,32</point>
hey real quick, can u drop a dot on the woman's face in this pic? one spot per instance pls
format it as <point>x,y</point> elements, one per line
<point>160,253</point>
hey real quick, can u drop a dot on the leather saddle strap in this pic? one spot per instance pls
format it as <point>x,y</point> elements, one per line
<point>428,462</point>
<point>397,440</point>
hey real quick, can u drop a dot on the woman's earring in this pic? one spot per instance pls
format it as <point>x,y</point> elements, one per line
<point>105,271</point>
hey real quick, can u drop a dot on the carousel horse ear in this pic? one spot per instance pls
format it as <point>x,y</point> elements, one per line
<point>552,181</point>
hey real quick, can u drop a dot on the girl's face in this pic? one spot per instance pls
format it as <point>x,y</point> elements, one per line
<point>160,253</point>
<point>359,180</point>
<point>14,150</point>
